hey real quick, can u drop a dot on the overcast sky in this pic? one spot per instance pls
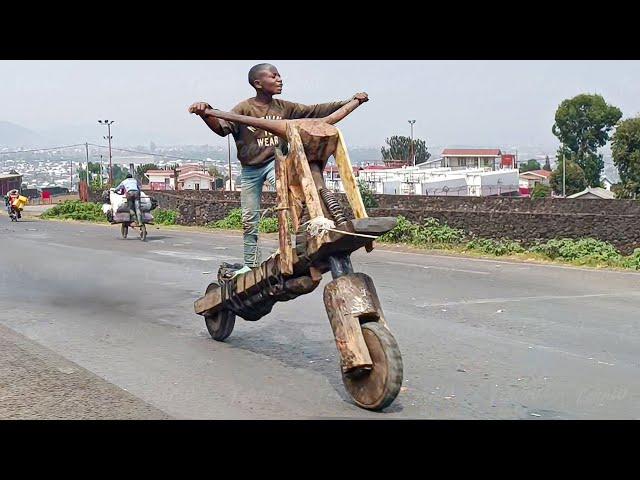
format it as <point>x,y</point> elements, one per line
<point>475,103</point>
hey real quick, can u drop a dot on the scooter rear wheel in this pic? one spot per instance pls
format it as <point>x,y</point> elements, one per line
<point>377,388</point>
<point>124,230</point>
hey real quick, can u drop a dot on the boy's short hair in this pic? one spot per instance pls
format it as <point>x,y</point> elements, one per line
<point>253,73</point>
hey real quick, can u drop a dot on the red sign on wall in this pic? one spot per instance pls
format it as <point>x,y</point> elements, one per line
<point>508,160</point>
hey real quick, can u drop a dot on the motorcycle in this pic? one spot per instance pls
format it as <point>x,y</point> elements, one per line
<point>14,214</point>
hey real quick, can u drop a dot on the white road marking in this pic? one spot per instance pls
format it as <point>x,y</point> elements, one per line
<point>434,267</point>
<point>192,255</point>
<point>524,299</point>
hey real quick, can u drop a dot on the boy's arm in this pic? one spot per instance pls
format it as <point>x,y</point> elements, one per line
<point>322,109</point>
<point>218,126</point>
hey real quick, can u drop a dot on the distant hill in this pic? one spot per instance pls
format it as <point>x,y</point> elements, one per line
<point>15,136</point>
<point>364,154</point>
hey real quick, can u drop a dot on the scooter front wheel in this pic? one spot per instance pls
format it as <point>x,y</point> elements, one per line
<point>378,387</point>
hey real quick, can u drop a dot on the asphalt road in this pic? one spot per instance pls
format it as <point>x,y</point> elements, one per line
<point>481,339</point>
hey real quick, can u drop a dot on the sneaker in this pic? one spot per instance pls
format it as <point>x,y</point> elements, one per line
<point>244,269</point>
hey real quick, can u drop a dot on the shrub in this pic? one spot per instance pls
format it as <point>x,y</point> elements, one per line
<point>76,210</point>
<point>233,221</point>
<point>368,197</point>
<point>165,217</point>
<point>431,232</point>
<point>632,261</point>
<point>495,247</point>
<point>585,250</point>
<point>403,232</point>
<point>268,225</point>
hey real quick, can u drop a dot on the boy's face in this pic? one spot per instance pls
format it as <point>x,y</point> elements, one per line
<point>270,81</point>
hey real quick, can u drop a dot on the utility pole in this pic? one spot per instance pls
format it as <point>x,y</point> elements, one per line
<point>229,151</point>
<point>101,172</point>
<point>564,174</point>
<point>70,174</point>
<point>86,146</point>
<point>108,137</point>
<point>413,156</point>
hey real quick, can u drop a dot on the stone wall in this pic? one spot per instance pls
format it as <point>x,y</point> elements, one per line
<point>202,207</point>
<point>525,219</point>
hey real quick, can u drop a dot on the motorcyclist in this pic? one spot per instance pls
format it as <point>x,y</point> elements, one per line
<point>9,200</point>
<point>131,188</point>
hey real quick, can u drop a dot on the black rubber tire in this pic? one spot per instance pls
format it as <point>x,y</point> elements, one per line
<point>220,325</point>
<point>143,232</point>
<point>124,230</point>
<point>377,388</point>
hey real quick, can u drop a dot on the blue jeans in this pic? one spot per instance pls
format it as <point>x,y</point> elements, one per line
<point>252,181</point>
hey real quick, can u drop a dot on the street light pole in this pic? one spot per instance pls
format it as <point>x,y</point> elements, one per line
<point>108,137</point>
<point>229,152</point>
<point>413,156</point>
<point>86,146</point>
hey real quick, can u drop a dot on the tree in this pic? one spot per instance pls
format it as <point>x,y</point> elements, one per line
<point>119,174</point>
<point>541,191</point>
<point>582,124</point>
<point>142,169</point>
<point>399,148</point>
<point>94,170</point>
<point>547,164</point>
<point>575,180</point>
<point>214,172</point>
<point>625,190</point>
<point>368,197</point>
<point>82,174</point>
<point>625,147</point>
<point>531,164</point>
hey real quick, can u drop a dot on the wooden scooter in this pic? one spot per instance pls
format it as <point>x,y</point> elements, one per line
<point>323,240</point>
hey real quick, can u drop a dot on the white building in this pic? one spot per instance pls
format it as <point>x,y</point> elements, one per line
<point>528,180</point>
<point>194,180</point>
<point>161,179</point>
<point>459,172</point>
<point>422,180</point>
<point>463,158</point>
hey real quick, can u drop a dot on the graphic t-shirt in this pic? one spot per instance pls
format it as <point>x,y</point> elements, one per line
<point>256,147</point>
